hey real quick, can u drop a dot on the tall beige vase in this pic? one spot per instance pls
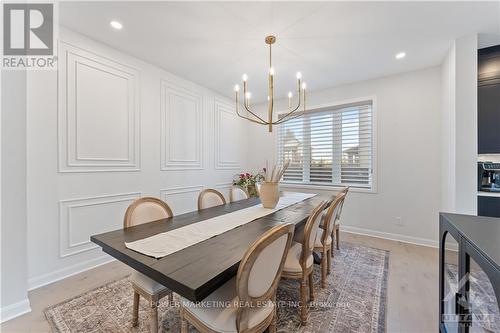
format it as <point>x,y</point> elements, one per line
<point>269,194</point>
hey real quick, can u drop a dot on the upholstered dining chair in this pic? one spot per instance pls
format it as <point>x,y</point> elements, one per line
<point>210,198</point>
<point>143,210</point>
<point>237,193</point>
<point>249,298</point>
<point>336,229</point>
<point>299,261</point>
<point>324,237</point>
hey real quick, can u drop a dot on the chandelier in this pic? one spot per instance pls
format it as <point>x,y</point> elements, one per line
<point>290,114</point>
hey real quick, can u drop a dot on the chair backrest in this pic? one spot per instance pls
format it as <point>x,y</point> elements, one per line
<point>260,270</point>
<point>339,212</point>
<point>210,198</point>
<point>330,217</point>
<point>238,193</point>
<point>311,231</point>
<point>146,209</point>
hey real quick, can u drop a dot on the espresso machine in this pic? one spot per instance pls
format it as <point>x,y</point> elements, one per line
<point>488,177</point>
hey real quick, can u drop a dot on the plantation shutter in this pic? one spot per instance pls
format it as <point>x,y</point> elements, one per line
<point>330,146</point>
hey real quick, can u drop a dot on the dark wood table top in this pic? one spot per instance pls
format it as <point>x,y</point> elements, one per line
<point>198,270</point>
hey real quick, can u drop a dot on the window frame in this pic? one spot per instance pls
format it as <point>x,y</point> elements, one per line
<point>336,104</point>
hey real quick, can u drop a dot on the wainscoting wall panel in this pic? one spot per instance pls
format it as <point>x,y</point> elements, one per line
<point>228,136</point>
<point>181,127</point>
<point>224,188</point>
<point>98,123</point>
<point>182,199</point>
<point>124,129</point>
<point>84,217</point>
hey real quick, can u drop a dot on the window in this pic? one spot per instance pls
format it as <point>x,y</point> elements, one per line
<point>329,146</point>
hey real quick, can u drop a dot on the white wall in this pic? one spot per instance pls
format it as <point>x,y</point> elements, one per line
<point>123,129</point>
<point>14,267</point>
<point>459,127</point>
<point>448,146</point>
<point>408,110</point>
<point>466,124</point>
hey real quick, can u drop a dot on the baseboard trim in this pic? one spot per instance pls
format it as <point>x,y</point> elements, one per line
<point>45,279</point>
<point>14,310</point>
<point>390,236</point>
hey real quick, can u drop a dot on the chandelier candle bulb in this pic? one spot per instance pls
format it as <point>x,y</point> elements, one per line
<point>253,117</point>
<point>236,88</point>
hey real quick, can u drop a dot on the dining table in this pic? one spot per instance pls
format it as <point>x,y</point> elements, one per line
<point>198,270</point>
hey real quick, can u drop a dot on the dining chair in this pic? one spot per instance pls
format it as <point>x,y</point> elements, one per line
<point>337,218</point>
<point>249,299</point>
<point>237,193</point>
<point>143,210</point>
<point>299,261</point>
<point>324,237</point>
<point>210,198</point>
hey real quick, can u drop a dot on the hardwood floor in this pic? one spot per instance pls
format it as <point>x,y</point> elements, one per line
<point>412,288</point>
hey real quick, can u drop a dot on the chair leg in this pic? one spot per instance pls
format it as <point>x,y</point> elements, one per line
<point>153,318</point>
<point>184,323</point>
<point>170,298</point>
<point>337,237</point>
<point>135,309</point>
<point>184,326</point>
<point>323,268</point>
<point>311,287</point>
<point>272,326</point>
<point>332,246</point>
<point>303,301</point>
<point>328,262</point>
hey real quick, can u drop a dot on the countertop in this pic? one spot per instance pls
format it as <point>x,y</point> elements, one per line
<point>488,194</point>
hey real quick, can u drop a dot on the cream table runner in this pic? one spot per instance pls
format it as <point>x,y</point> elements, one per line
<point>166,243</point>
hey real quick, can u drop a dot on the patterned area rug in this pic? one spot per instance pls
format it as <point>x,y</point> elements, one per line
<point>484,308</point>
<point>354,301</point>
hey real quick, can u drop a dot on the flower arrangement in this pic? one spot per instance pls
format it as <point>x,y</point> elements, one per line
<point>248,181</point>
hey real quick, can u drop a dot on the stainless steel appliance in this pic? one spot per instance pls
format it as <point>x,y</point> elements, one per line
<point>488,177</point>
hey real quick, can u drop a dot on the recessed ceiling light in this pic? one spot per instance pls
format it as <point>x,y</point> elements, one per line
<point>400,55</point>
<point>116,25</point>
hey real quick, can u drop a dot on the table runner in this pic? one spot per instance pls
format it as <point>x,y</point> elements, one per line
<point>166,243</point>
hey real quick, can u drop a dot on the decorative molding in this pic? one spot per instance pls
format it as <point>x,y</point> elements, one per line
<point>57,275</point>
<point>224,188</point>
<point>66,208</point>
<point>222,109</point>
<point>72,61</point>
<point>170,91</point>
<point>168,193</point>
<point>14,310</point>
<point>390,236</point>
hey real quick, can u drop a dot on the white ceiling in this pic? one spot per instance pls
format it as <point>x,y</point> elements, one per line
<point>331,43</point>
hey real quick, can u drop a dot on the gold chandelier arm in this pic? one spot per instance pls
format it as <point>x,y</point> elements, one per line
<point>284,118</point>
<point>256,116</point>
<point>291,118</point>
<point>252,120</point>
<point>261,122</point>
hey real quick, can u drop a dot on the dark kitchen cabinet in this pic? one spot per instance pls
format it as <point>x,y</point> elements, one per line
<point>488,206</point>
<point>488,97</point>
